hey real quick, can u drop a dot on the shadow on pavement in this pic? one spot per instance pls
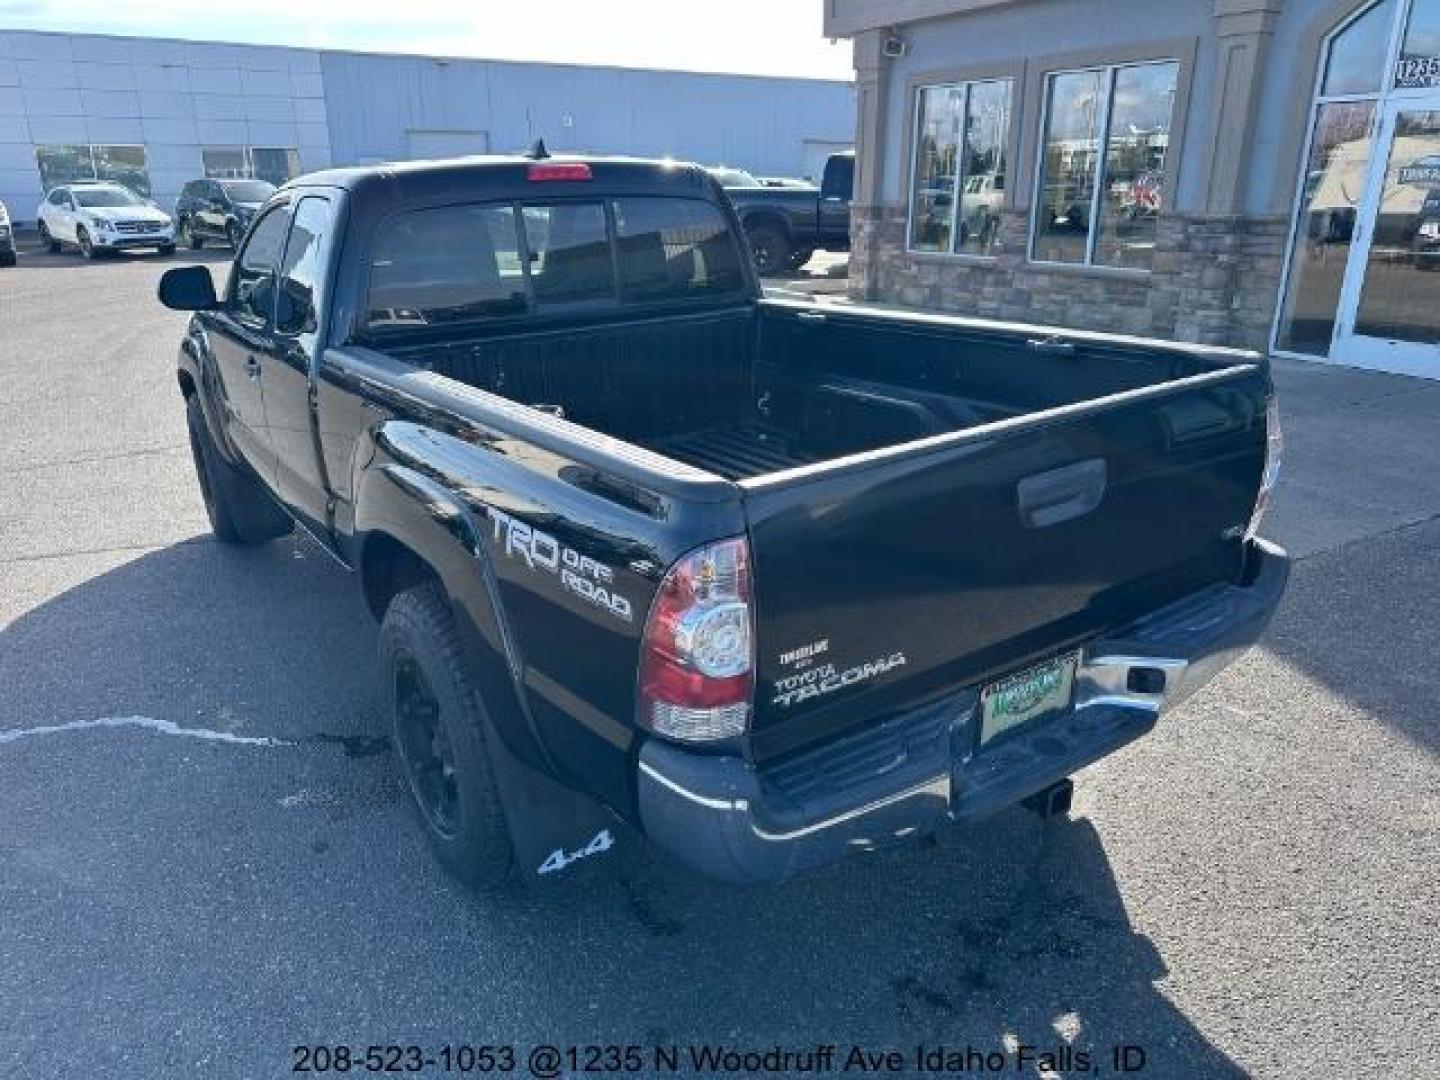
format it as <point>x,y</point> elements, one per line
<point>298,903</point>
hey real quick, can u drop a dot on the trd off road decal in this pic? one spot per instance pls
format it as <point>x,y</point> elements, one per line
<point>826,678</point>
<point>593,582</point>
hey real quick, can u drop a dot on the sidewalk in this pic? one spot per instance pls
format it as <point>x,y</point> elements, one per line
<point>1362,455</point>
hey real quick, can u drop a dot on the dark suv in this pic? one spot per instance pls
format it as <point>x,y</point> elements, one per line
<point>218,210</point>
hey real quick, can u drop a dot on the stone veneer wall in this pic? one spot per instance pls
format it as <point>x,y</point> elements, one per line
<point>1215,280</point>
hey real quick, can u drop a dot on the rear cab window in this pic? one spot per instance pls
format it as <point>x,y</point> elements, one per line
<point>483,262</point>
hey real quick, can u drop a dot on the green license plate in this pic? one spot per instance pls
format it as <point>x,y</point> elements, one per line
<point>1020,698</point>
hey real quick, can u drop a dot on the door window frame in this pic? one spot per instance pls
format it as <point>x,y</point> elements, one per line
<point>283,206</point>
<point>1387,99</point>
<point>317,305</point>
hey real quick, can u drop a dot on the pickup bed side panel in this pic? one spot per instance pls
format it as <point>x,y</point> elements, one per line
<point>576,553</point>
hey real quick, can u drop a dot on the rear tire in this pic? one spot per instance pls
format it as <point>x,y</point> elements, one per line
<point>439,734</point>
<point>241,512</point>
<point>7,259</point>
<point>166,249</point>
<point>51,244</point>
<point>770,248</point>
<point>196,242</point>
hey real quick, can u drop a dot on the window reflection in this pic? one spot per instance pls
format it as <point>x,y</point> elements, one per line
<point>1129,110</point>
<point>982,187</point>
<point>1329,204</point>
<point>1076,115</point>
<point>1135,165</point>
<point>937,151</point>
<point>959,167</point>
<point>1357,53</point>
<point>1397,300</point>
<point>1419,63</point>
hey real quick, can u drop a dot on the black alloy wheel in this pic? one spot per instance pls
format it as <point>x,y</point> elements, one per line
<point>425,748</point>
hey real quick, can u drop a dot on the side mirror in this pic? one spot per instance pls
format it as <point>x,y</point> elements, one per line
<point>188,288</point>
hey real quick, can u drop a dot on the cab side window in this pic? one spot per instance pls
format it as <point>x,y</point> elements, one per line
<point>252,284</point>
<point>302,273</point>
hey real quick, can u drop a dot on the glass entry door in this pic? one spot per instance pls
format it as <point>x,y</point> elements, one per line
<point>1390,299</point>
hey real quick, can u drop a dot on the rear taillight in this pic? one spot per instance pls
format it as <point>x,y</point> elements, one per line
<point>697,667</point>
<point>559,170</point>
<point>1274,451</point>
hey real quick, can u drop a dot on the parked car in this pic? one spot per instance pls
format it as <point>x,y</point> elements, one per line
<point>7,238</point>
<point>218,210</point>
<point>99,218</point>
<point>785,226</point>
<point>770,581</point>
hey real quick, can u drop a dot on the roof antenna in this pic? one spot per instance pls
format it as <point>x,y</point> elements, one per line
<point>538,151</point>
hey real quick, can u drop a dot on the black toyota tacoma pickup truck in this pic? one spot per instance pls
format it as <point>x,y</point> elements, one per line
<point>786,225</point>
<point>771,582</point>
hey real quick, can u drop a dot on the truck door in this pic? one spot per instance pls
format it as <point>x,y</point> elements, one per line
<point>241,333</point>
<point>290,362</point>
<point>836,189</point>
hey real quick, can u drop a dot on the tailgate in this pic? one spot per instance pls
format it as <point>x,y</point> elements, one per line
<point>896,576</point>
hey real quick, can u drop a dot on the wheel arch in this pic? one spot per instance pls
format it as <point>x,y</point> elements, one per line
<point>411,529</point>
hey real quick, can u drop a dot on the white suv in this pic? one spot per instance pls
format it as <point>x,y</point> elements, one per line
<point>98,217</point>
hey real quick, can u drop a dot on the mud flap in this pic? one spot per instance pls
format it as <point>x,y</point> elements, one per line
<point>554,831</point>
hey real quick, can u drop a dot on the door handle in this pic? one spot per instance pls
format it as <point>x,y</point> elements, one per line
<point>252,367</point>
<point>1049,498</point>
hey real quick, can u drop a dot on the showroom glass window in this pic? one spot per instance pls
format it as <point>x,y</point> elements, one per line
<point>1342,131</point>
<point>1102,166</point>
<point>66,164</point>
<point>226,163</point>
<point>958,166</point>
<point>274,165</point>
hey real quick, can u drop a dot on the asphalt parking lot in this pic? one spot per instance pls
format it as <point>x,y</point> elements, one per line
<point>1250,891</point>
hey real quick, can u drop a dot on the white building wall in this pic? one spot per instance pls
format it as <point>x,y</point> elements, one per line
<point>173,97</point>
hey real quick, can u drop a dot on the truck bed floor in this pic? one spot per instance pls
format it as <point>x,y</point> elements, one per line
<point>736,452</point>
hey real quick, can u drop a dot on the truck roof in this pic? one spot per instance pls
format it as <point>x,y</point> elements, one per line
<point>502,176</point>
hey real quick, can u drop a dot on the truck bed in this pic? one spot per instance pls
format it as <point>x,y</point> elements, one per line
<point>938,500</point>
<point>737,451</point>
<point>748,393</point>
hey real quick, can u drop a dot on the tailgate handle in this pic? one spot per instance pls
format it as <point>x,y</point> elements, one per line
<point>1050,498</point>
<point>1052,344</point>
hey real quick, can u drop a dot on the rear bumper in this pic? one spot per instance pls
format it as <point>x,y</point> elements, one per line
<point>908,774</point>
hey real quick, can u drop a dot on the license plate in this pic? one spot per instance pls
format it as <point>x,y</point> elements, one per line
<point>1020,698</point>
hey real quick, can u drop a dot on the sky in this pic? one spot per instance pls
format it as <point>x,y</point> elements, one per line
<point>760,37</point>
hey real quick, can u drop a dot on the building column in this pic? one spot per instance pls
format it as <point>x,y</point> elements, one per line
<point>872,72</point>
<point>1244,29</point>
<point>1227,261</point>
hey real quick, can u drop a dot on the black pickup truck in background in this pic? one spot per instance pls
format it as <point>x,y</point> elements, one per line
<point>771,582</point>
<point>787,225</point>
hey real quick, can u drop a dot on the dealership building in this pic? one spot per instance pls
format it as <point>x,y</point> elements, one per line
<point>154,113</point>
<point>1261,173</point>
